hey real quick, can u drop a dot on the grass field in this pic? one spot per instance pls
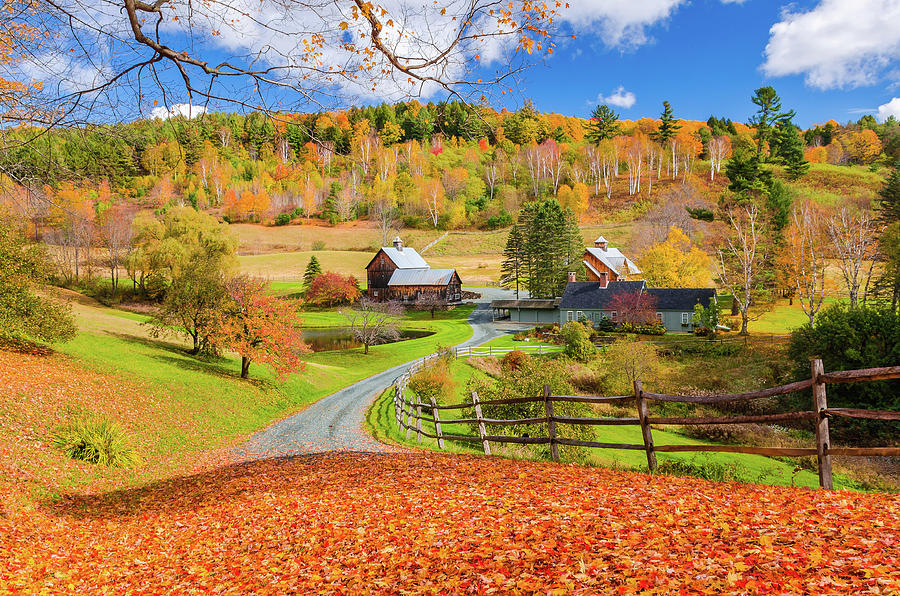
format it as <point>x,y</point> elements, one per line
<point>174,407</point>
<point>749,468</point>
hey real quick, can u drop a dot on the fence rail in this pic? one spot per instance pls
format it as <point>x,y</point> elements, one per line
<point>408,408</point>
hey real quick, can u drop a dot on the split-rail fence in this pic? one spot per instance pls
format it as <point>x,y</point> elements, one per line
<point>408,410</point>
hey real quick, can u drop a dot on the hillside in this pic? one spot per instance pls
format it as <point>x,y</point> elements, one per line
<point>415,523</point>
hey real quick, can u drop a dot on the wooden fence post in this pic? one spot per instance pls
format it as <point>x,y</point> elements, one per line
<point>407,406</point>
<point>643,415</point>
<point>481,431</point>
<point>823,440</point>
<point>551,424</point>
<point>437,423</point>
<point>397,402</point>
<point>418,419</point>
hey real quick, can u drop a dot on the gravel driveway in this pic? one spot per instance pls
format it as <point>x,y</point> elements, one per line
<point>335,423</point>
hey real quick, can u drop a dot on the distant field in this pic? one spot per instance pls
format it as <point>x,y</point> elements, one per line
<point>357,236</point>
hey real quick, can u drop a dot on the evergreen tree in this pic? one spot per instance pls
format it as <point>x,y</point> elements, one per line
<point>667,126</point>
<point>604,124</point>
<point>550,245</point>
<point>513,269</point>
<point>889,211</point>
<point>313,270</point>
<point>766,116</point>
<point>790,149</point>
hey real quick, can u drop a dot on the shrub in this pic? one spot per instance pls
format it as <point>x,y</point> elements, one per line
<point>654,328</point>
<point>282,219</point>
<point>96,440</point>
<point>515,360</point>
<point>433,382</point>
<point>503,220</point>
<point>578,341</point>
<point>606,325</point>
<point>318,245</point>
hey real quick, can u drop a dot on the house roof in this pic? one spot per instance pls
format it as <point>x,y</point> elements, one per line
<point>683,299</point>
<point>615,260</point>
<point>527,304</point>
<point>407,258</point>
<point>592,295</point>
<point>423,276</point>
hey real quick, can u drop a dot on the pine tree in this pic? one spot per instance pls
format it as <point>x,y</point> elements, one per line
<point>604,124</point>
<point>667,126</point>
<point>313,270</point>
<point>766,116</point>
<point>551,246</point>
<point>513,268</point>
<point>790,148</point>
<point>889,211</point>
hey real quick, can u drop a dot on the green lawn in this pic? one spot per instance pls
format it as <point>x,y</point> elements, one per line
<point>752,468</point>
<point>222,407</point>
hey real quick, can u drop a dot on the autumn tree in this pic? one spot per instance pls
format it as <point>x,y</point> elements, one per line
<point>741,258</point>
<point>115,233</point>
<point>629,360</point>
<point>633,308</point>
<point>804,255</point>
<point>675,263</point>
<point>330,289</point>
<point>853,241</point>
<point>260,327</point>
<point>24,273</point>
<point>374,323</point>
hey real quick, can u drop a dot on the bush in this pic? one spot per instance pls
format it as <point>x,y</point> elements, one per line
<point>515,360</point>
<point>852,338</point>
<point>495,222</point>
<point>606,325</point>
<point>655,328</point>
<point>282,219</point>
<point>578,341</point>
<point>96,440</point>
<point>318,245</point>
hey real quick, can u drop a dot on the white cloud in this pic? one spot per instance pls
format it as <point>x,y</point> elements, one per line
<point>891,108</point>
<point>619,98</point>
<point>619,23</point>
<point>839,43</point>
<point>179,109</point>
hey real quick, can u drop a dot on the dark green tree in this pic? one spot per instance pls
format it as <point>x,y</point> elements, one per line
<point>889,210</point>
<point>667,126</point>
<point>553,246</point>
<point>790,149</point>
<point>513,270</point>
<point>887,286</point>
<point>766,116</point>
<point>24,269</point>
<point>313,270</point>
<point>604,124</point>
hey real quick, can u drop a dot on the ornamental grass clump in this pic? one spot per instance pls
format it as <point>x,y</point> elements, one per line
<point>96,440</point>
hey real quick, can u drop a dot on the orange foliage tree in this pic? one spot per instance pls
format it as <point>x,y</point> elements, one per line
<point>332,289</point>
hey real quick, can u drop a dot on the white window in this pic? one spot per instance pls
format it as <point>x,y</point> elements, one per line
<point>580,315</point>
<point>659,317</point>
<point>569,315</point>
<point>685,318</point>
<point>612,315</point>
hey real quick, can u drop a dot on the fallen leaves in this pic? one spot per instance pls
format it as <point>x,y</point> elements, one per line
<point>424,523</point>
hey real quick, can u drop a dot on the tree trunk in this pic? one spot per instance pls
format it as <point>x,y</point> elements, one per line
<point>245,367</point>
<point>366,348</point>
<point>744,324</point>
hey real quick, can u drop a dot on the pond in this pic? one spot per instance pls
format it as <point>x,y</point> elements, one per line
<point>323,339</point>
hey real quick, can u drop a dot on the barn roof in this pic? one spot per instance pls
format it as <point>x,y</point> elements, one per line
<point>407,258</point>
<point>421,277</point>
<point>683,299</point>
<point>592,294</point>
<point>615,260</point>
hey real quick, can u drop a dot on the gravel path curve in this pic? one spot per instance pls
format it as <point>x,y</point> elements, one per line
<point>335,423</point>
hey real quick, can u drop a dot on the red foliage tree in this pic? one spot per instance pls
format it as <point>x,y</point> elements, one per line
<point>260,327</point>
<point>635,308</point>
<point>331,289</point>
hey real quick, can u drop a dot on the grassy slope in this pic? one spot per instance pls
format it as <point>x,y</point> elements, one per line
<point>753,468</point>
<point>197,405</point>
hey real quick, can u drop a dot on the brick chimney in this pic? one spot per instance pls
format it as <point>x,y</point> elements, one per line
<point>604,279</point>
<point>601,243</point>
<point>571,276</point>
<point>398,244</point>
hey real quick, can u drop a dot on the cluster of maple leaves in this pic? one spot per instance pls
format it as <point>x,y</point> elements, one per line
<point>424,523</point>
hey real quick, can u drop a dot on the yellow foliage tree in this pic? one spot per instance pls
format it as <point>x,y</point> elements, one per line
<point>676,263</point>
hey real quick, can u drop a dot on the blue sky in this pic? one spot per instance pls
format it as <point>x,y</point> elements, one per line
<point>706,58</point>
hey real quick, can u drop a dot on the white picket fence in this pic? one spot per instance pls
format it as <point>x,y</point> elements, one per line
<point>503,351</point>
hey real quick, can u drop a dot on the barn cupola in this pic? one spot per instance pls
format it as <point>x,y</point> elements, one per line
<point>601,243</point>
<point>398,244</point>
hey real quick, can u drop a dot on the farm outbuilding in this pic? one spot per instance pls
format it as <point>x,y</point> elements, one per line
<point>535,311</point>
<point>400,273</point>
